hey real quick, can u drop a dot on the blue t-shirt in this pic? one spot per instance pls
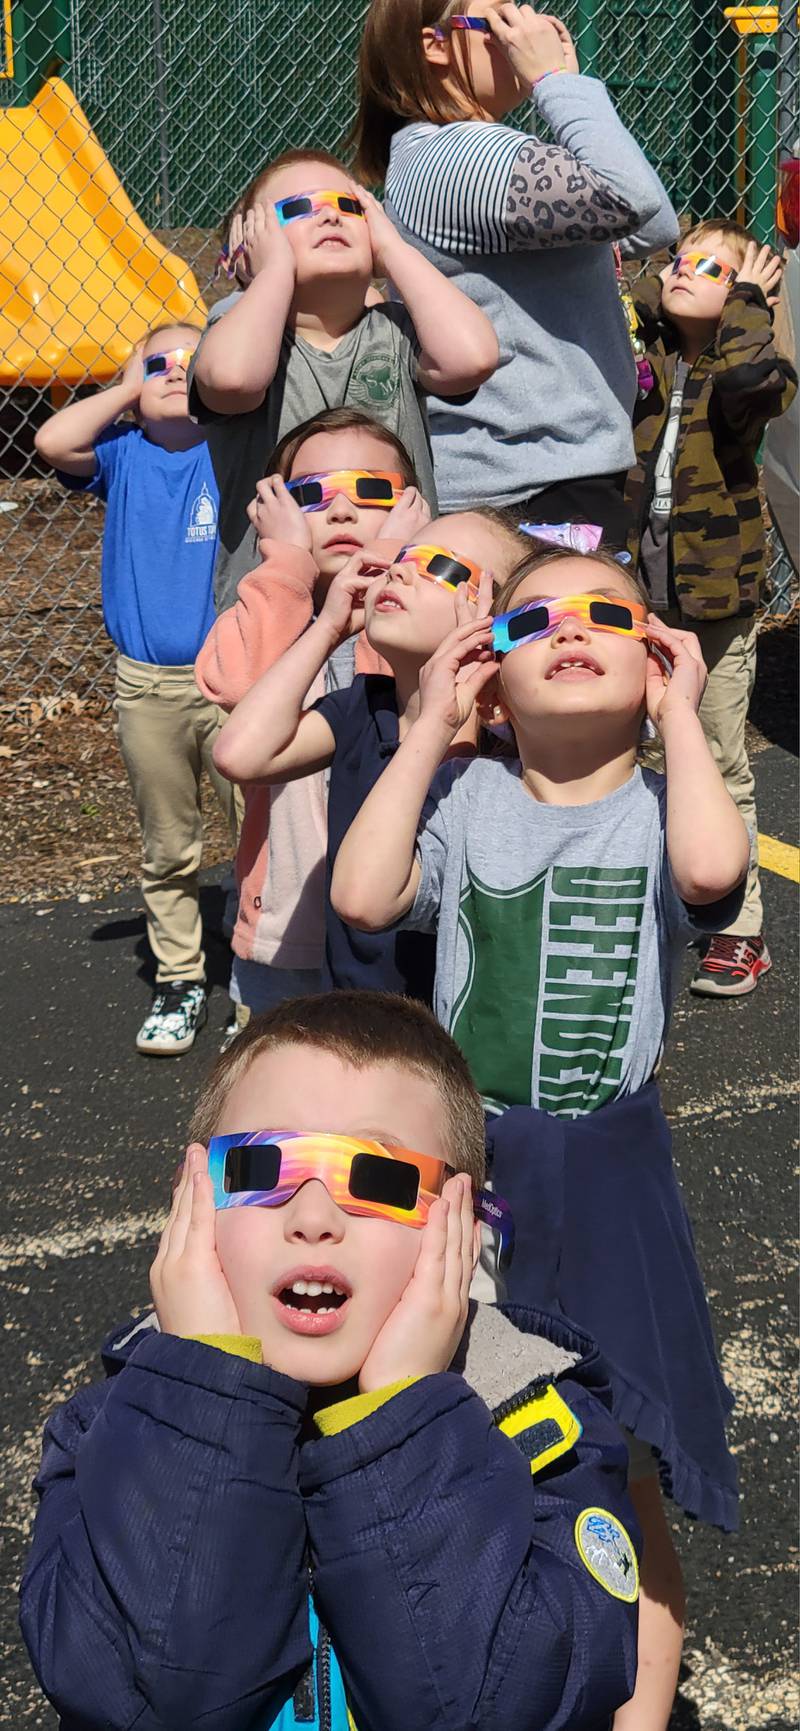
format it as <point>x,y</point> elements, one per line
<point>159,545</point>
<point>363,720</point>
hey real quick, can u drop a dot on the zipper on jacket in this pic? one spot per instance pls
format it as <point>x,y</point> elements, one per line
<point>324,1679</point>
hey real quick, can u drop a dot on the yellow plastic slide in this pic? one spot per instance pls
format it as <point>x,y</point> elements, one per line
<point>81,278</point>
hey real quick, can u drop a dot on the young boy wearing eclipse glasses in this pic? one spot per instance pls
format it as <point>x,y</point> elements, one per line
<point>319,1486</point>
<point>159,545</point>
<point>301,338</point>
<point>699,532</point>
<point>563,886</point>
<point>396,598</point>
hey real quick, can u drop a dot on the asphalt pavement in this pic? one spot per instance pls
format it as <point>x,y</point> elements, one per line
<point>93,1132</point>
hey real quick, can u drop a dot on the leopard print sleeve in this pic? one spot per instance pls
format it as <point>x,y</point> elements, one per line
<point>554,200</point>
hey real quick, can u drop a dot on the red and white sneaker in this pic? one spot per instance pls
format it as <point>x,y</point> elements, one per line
<point>731,967</point>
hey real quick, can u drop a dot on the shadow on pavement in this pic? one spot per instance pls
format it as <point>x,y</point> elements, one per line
<point>213,900</point>
<point>774,709</point>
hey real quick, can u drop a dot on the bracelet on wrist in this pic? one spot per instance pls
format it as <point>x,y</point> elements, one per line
<point>552,72</point>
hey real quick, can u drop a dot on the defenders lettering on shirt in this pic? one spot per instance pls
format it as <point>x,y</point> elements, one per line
<point>544,1013</point>
<point>202,518</point>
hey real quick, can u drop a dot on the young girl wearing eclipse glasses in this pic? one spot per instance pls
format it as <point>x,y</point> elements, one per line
<point>563,888</point>
<point>401,592</point>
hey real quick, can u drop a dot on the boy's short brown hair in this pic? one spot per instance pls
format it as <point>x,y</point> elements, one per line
<point>541,556</point>
<point>287,159</point>
<point>362,1029</point>
<point>341,420</point>
<point>736,238</point>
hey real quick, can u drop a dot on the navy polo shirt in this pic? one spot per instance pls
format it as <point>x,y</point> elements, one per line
<point>363,720</point>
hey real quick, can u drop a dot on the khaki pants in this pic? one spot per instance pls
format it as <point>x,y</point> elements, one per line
<point>729,652</point>
<point>166,731</point>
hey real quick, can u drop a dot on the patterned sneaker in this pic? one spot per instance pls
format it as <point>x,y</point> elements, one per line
<point>179,1009</point>
<point>731,967</point>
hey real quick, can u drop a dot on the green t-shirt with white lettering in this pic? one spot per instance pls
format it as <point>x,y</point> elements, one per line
<point>558,933</point>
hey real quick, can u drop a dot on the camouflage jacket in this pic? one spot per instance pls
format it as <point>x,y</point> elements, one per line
<point>737,385</point>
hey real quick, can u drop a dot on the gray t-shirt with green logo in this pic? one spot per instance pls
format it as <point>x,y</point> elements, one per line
<point>558,933</point>
<point>373,368</point>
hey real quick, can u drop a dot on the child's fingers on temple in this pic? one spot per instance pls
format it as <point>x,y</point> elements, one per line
<point>200,1230</point>
<point>433,1249</point>
<point>183,1210</point>
<point>177,1194</point>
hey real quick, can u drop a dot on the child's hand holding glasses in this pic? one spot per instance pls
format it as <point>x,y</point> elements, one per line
<point>189,1289</point>
<point>276,516</point>
<point>421,1334</point>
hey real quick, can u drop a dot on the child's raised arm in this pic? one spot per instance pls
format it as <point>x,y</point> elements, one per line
<point>707,842</point>
<point>377,874</point>
<point>458,346</point>
<point>753,382</point>
<point>68,439</point>
<point>238,356</point>
<point>271,736</point>
<point>273,604</point>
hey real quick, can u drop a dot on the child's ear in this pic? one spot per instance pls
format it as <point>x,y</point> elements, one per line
<point>490,706</point>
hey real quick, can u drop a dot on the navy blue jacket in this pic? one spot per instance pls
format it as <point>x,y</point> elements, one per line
<point>180,1507</point>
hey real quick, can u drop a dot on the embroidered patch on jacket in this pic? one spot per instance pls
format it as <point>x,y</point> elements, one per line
<point>544,1428</point>
<point>607,1552</point>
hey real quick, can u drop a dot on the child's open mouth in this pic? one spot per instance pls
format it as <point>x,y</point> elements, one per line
<point>311,1304</point>
<point>575,667</point>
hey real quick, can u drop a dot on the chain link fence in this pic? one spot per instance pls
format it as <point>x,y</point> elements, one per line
<point>179,106</point>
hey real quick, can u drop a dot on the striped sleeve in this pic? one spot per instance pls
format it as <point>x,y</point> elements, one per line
<point>448,184</point>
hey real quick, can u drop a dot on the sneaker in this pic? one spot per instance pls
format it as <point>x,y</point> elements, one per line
<point>731,967</point>
<point>235,1025</point>
<point>179,1009</point>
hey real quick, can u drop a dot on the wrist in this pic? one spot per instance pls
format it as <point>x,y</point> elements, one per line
<point>551,72</point>
<point>678,719</point>
<point>122,396</point>
<point>433,733</point>
<point>328,634</point>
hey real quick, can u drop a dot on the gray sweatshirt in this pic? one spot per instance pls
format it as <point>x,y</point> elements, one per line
<point>527,229</point>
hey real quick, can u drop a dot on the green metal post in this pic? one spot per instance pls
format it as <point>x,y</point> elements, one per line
<point>763,136</point>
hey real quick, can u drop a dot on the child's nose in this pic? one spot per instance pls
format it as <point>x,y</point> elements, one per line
<point>571,628</point>
<point>312,1217</point>
<point>341,509</point>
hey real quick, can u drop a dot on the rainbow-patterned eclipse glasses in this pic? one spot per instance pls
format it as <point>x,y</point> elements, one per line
<point>164,363</point>
<point>440,565</point>
<point>372,487</point>
<point>265,1168</point>
<point>542,617</point>
<point>308,203</point>
<point>465,21</point>
<point>705,264</point>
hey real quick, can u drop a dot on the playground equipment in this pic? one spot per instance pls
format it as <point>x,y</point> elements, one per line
<point>81,277</point>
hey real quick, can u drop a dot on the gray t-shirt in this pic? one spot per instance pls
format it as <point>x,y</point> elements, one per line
<point>655,536</point>
<point>558,932</point>
<point>374,368</point>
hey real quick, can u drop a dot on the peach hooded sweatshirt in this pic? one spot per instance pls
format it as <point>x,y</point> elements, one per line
<point>280,861</point>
